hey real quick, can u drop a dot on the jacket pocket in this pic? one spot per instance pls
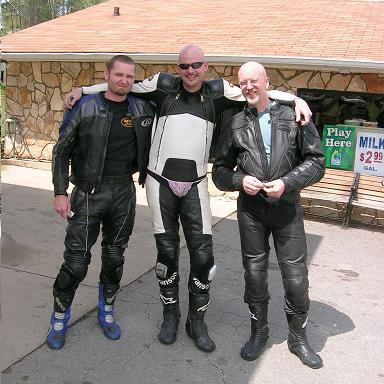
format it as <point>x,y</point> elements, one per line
<point>287,125</point>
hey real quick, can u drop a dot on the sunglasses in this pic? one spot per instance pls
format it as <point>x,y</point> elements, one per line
<point>195,65</point>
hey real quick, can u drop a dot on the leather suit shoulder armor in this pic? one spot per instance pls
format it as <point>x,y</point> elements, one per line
<point>169,83</point>
<point>214,88</point>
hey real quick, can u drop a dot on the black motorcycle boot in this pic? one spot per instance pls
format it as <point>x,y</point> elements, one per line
<point>259,332</point>
<point>171,315</point>
<point>195,325</point>
<point>298,343</point>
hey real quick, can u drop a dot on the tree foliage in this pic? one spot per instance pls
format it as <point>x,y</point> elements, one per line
<point>20,14</point>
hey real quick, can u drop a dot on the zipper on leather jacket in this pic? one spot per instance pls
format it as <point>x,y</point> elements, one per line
<point>170,109</point>
<point>106,137</point>
<point>206,130</point>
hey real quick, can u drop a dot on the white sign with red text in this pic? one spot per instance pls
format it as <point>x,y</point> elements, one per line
<point>369,154</point>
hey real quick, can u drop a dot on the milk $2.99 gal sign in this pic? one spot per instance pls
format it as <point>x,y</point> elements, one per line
<point>369,153</point>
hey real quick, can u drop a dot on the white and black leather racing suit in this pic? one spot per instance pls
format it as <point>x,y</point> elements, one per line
<point>176,186</point>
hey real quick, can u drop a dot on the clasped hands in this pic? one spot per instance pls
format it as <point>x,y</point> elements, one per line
<point>253,185</point>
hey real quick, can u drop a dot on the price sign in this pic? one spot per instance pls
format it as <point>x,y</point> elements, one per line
<point>369,155</point>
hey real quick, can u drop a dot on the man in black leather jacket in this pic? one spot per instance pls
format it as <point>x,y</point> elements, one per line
<point>275,158</point>
<point>106,138</point>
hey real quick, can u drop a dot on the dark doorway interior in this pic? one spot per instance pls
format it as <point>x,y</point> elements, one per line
<point>335,107</point>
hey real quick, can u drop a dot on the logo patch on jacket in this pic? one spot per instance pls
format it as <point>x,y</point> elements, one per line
<point>127,122</point>
<point>147,122</point>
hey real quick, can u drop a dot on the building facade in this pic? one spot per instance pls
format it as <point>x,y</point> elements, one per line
<point>35,90</point>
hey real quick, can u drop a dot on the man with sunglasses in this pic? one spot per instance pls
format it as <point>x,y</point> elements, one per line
<point>177,186</point>
<point>274,158</point>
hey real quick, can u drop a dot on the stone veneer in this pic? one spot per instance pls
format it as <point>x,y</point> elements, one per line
<point>35,91</point>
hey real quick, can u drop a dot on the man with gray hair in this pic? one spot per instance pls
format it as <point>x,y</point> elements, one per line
<point>274,158</point>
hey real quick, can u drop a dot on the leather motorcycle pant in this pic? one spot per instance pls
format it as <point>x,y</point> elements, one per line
<point>193,211</point>
<point>112,207</point>
<point>285,222</point>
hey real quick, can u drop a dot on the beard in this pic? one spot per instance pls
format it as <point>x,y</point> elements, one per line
<point>252,100</point>
<point>119,91</point>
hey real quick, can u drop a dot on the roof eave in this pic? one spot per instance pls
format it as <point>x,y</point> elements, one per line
<point>340,65</point>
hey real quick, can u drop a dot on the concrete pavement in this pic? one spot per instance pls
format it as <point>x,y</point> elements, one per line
<point>346,277</point>
<point>32,248</point>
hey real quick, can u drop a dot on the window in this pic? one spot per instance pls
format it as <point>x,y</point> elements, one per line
<point>337,107</point>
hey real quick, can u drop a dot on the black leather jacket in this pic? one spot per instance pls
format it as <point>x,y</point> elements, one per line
<point>83,139</point>
<point>297,156</point>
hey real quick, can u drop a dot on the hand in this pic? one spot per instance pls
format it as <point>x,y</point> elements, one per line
<point>71,97</point>
<point>62,205</point>
<point>252,185</point>
<point>274,188</point>
<point>302,109</point>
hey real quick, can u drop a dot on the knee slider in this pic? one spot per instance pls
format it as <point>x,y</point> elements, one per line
<point>168,249</point>
<point>162,273</point>
<point>197,285</point>
<point>70,276</point>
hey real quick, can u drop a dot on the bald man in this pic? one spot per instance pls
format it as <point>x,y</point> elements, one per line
<point>177,186</point>
<point>274,159</point>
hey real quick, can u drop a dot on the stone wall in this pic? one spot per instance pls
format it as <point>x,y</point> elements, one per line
<point>35,91</point>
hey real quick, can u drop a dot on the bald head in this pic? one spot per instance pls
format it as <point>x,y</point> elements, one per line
<point>192,67</point>
<point>254,83</point>
<point>191,51</point>
<point>252,70</point>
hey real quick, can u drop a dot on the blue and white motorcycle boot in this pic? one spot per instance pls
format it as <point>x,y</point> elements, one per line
<point>105,314</point>
<point>58,329</point>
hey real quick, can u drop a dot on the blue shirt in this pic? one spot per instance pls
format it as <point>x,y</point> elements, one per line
<point>266,129</point>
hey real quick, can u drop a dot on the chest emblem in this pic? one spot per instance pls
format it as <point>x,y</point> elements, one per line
<point>127,122</point>
<point>146,123</point>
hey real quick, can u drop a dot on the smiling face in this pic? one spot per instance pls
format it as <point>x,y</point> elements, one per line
<point>120,79</point>
<point>253,82</point>
<point>192,78</point>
